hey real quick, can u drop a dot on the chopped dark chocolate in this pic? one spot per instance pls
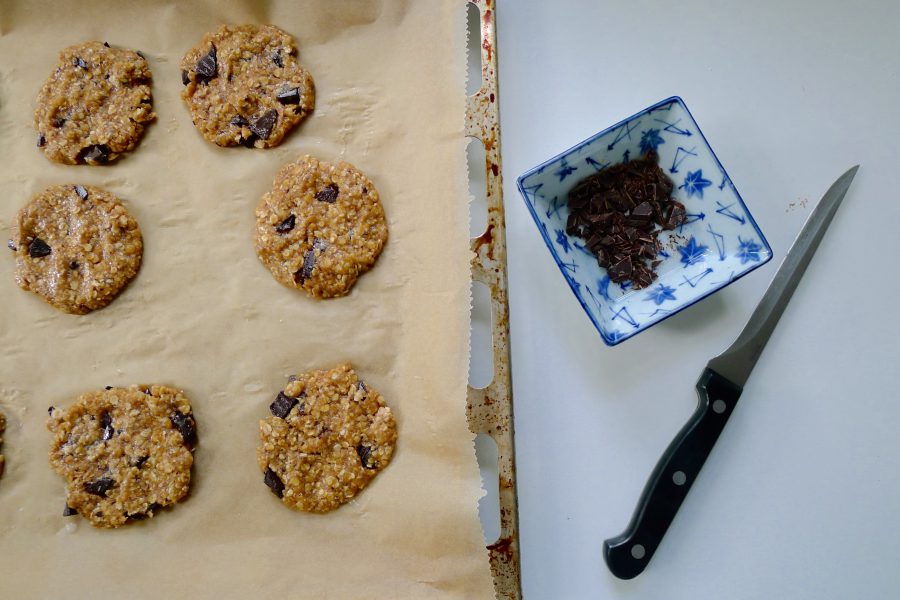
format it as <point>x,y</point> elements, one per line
<point>320,245</point>
<point>263,126</point>
<point>185,78</point>
<point>328,194</point>
<point>207,66</point>
<point>274,482</point>
<point>38,248</point>
<point>365,456</point>
<point>283,405</point>
<point>82,193</point>
<point>309,263</point>
<point>106,44</point>
<point>99,487</point>
<point>79,62</point>
<point>109,387</point>
<point>141,54</point>
<point>619,212</point>
<point>11,245</point>
<point>276,58</point>
<point>68,511</point>
<point>185,425</point>
<point>621,270</point>
<point>73,265</point>
<point>58,122</point>
<point>248,142</point>
<point>41,140</point>
<point>96,153</point>
<point>50,410</point>
<point>289,96</point>
<point>238,121</point>
<point>287,224</point>
<point>361,386</point>
<point>140,462</point>
<point>107,430</point>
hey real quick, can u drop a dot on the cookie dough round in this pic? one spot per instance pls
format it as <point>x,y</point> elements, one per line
<point>327,438</point>
<point>244,86</point>
<point>76,246</point>
<point>95,104</point>
<point>321,227</point>
<point>125,453</point>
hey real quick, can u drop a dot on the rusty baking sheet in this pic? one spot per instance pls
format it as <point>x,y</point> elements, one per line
<point>490,410</point>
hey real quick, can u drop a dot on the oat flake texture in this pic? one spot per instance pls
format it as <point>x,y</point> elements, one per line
<point>95,104</point>
<point>125,453</point>
<point>321,227</point>
<point>245,86</point>
<point>336,436</point>
<point>76,246</point>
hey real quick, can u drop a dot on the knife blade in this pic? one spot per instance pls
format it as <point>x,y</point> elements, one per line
<point>718,389</point>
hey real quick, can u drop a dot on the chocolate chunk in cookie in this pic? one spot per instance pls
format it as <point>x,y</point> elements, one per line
<point>186,426</point>
<point>207,66</point>
<point>321,227</point>
<point>320,457</point>
<point>121,454</point>
<point>245,86</point>
<point>274,482</point>
<point>76,246</point>
<point>95,105</point>
<point>38,248</point>
<point>283,405</point>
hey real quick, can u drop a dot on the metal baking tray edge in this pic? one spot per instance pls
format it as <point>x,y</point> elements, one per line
<point>490,410</point>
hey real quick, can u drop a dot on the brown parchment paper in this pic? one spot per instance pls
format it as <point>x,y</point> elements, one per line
<point>206,316</point>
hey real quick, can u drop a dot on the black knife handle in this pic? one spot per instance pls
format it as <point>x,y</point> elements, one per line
<point>628,553</point>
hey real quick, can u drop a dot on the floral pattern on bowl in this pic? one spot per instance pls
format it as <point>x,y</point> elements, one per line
<point>719,243</point>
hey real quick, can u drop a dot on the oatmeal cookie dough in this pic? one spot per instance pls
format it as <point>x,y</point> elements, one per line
<point>95,104</point>
<point>244,85</point>
<point>2,429</point>
<point>327,438</point>
<point>76,246</point>
<point>321,227</point>
<point>125,453</point>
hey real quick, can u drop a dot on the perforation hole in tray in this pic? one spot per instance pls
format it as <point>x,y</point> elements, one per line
<point>478,212</point>
<point>473,53</point>
<point>481,357</point>
<point>489,505</point>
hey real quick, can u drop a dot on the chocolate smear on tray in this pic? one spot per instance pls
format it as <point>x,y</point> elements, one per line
<point>620,211</point>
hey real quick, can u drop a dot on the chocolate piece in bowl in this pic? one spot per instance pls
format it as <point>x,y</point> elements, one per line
<point>620,211</point>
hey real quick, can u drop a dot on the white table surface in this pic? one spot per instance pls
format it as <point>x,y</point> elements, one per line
<point>801,496</point>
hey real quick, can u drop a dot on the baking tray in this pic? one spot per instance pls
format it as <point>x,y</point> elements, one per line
<point>490,409</point>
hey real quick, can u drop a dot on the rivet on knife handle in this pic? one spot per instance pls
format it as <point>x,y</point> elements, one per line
<point>627,554</point>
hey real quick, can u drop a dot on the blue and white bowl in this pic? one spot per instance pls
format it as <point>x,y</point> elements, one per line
<point>719,243</point>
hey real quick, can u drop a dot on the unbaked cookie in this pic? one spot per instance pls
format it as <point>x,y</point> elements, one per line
<point>321,227</point>
<point>94,105</point>
<point>125,452</point>
<point>76,246</point>
<point>327,438</point>
<point>244,85</point>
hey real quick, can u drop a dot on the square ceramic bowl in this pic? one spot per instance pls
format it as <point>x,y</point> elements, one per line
<point>719,243</point>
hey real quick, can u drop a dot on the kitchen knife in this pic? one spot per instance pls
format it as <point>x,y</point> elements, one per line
<point>719,388</point>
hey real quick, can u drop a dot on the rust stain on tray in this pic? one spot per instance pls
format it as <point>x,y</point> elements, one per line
<point>490,410</point>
